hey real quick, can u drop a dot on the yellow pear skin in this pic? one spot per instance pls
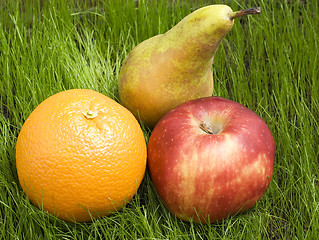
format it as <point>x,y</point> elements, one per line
<point>171,68</point>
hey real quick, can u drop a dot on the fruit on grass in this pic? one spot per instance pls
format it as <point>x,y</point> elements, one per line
<point>174,67</point>
<point>210,158</point>
<point>80,155</point>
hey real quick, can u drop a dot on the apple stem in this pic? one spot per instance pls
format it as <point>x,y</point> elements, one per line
<point>208,128</point>
<point>255,10</point>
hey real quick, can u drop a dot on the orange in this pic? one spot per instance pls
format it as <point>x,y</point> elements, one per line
<point>80,155</point>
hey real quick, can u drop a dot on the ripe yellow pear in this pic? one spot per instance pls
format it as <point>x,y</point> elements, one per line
<point>171,68</point>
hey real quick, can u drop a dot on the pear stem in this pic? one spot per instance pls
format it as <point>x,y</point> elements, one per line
<point>244,12</point>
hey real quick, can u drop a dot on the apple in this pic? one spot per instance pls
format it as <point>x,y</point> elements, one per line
<point>210,158</point>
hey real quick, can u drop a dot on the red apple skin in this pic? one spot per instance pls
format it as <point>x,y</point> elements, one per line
<point>209,177</point>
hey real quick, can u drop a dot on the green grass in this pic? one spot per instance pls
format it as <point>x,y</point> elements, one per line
<point>267,62</point>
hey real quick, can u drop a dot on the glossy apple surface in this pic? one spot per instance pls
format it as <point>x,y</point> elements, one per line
<point>210,158</point>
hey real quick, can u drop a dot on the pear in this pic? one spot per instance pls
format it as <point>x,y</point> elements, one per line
<point>171,68</point>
